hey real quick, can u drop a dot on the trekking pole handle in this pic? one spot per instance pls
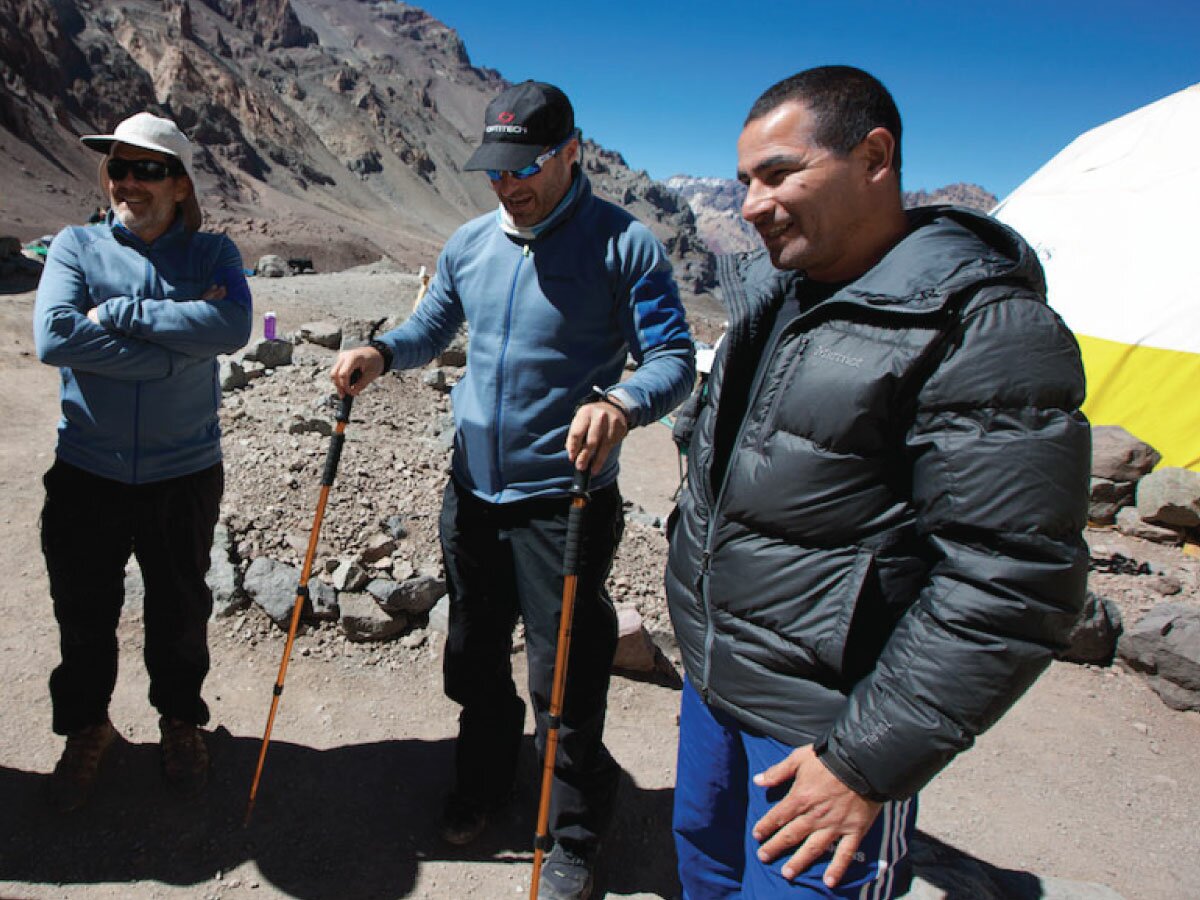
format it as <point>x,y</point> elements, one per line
<point>579,497</point>
<point>347,401</point>
<point>342,416</point>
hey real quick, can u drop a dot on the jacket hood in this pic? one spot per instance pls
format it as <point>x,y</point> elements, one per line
<point>947,249</point>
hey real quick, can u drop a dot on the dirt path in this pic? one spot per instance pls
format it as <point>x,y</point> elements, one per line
<point>1090,778</point>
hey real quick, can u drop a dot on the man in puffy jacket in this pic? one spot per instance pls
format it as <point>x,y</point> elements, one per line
<point>557,287</point>
<point>879,548</point>
<point>134,312</point>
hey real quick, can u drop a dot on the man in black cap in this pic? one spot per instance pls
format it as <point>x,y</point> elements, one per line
<point>557,288</point>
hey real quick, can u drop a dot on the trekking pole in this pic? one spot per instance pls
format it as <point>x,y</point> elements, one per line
<point>424,279</point>
<point>331,463</point>
<point>579,499</point>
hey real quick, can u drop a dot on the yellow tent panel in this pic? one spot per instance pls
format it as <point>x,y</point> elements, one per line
<point>1112,218</point>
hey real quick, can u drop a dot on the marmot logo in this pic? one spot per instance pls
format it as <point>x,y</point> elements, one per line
<point>853,362</point>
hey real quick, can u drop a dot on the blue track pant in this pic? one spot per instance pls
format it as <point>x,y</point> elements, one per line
<point>716,805</point>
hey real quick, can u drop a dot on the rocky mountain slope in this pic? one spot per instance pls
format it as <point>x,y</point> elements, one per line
<point>717,202</point>
<point>331,129</point>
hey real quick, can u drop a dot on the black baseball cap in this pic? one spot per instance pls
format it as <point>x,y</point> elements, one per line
<point>519,124</point>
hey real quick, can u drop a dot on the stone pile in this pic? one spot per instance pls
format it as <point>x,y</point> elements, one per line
<point>1162,506</point>
<point>377,570</point>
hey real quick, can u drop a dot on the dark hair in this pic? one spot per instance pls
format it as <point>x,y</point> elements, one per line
<point>846,104</point>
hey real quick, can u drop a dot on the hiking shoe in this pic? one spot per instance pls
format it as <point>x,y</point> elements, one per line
<point>463,820</point>
<point>184,755</point>
<point>74,776</point>
<point>566,875</point>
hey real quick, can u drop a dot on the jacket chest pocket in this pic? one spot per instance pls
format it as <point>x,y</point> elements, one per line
<point>841,387</point>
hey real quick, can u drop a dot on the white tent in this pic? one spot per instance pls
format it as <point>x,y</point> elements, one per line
<point>1113,218</point>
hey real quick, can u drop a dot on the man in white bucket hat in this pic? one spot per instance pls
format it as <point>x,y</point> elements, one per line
<point>134,311</point>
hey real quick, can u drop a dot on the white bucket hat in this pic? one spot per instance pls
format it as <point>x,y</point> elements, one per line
<point>151,132</point>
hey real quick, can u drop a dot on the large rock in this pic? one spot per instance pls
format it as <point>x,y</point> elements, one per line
<point>1107,498</point>
<point>350,576</point>
<point>322,601</point>
<point>271,354</point>
<point>1130,522</point>
<point>232,375</point>
<point>272,586</point>
<point>272,266</point>
<point>1165,645</point>
<point>222,577</point>
<point>1170,496</point>
<point>299,424</point>
<point>363,620</point>
<point>436,379</point>
<point>1119,456</point>
<point>324,334</point>
<point>635,650</point>
<point>356,333</point>
<point>378,547</point>
<point>415,596</point>
<point>439,616</point>
<point>1093,640</point>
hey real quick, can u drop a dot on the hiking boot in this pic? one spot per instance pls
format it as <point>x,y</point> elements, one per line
<point>184,755</point>
<point>566,875</point>
<point>74,776</point>
<point>463,820</point>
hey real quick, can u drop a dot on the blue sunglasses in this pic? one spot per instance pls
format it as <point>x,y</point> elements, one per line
<point>533,168</point>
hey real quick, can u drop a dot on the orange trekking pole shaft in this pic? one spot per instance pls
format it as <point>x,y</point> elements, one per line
<point>579,499</point>
<point>331,463</point>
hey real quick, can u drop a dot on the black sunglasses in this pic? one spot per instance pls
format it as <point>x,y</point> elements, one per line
<point>142,169</point>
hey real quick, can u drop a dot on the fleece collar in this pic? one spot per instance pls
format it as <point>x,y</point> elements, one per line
<point>562,211</point>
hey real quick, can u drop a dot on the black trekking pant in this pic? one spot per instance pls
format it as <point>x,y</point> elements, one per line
<point>90,526</point>
<point>505,560</point>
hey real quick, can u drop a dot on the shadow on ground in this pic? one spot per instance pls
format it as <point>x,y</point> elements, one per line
<point>943,872</point>
<point>349,822</point>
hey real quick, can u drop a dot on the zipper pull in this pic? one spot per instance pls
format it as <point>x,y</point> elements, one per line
<point>703,575</point>
<point>525,251</point>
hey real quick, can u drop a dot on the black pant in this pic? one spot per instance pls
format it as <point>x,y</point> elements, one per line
<point>90,526</point>
<point>505,560</point>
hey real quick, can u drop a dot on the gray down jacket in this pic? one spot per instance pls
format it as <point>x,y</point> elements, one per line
<point>895,552</point>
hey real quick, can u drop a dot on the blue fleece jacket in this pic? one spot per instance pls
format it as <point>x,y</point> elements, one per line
<point>140,390</point>
<point>549,318</point>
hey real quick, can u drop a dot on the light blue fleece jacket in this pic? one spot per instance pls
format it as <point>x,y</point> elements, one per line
<point>550,317</point>
<point>140,390</point>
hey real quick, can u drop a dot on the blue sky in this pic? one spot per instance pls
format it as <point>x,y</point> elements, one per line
<point>987,91</point>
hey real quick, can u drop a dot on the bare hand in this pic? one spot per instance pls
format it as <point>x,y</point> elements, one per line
<point>595,430</point>
<point>216,292</point>
<point>817,812</point>
<point>366,360</point>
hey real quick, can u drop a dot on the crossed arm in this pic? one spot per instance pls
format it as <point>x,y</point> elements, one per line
<point>130,338</point>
